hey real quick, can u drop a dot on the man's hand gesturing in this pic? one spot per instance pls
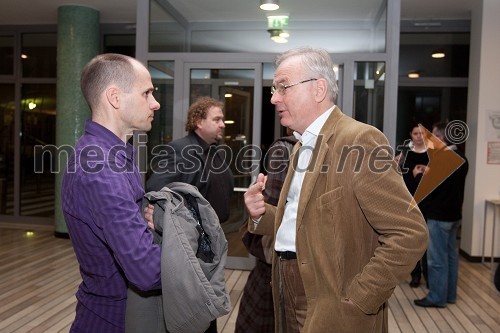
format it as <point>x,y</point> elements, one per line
<point>254,199</point>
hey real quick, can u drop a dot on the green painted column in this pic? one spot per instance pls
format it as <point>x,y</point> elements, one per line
<point>77,43</point>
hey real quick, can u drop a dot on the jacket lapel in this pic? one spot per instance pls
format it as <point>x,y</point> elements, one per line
<point>286,184</point>
<point>317,166</point>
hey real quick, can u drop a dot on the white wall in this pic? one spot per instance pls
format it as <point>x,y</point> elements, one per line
<point>483,180</point>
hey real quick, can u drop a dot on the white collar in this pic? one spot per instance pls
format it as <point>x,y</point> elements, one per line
<point>313,130</point>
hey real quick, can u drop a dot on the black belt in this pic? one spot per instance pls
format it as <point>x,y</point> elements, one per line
<point>286,255</point>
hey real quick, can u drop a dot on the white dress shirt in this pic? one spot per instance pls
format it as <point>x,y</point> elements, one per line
<point>285,237</point>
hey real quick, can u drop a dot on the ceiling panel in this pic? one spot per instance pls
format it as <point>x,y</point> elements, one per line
<point>45,11</point>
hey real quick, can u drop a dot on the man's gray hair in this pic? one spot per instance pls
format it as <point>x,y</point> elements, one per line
<point>317,63</point>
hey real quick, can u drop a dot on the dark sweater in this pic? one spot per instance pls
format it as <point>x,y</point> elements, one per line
<point>409,160</point>
<point>444,203</point>
<point>191,160</point>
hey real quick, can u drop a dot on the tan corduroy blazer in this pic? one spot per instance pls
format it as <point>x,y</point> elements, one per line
<point>356,237</point>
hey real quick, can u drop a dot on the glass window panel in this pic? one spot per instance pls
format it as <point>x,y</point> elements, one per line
<point>380,27</point>
<point>369,88</point>
<point>39,53</point>
<point>268,123</point>
<point>236,88</point>
<point>269,116</point>
<point>238,139</point>
<point>428,105</point>
<point>165,34</point>
<point>7,55</point>
<point>7,108</point>
<point>38,127</point>
<point>416,51</point>
<point>268,71</point>
<point>162,74</point>
<point>123,44</point>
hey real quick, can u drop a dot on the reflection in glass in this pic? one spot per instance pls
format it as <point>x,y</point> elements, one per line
<point>162,74</point>
<point>236,88</point>
<point>7,55</point>
<point>7,109</point>
<point>38,127</point>
<point>165,34</point>
<point>415,54</point>
<point>238,137</point>
<point>369,88</point>
<point>428,105</point>
<point>39,53</point>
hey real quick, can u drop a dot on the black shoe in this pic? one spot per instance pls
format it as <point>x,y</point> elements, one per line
<point>426,303</point>
<point>414,283</point>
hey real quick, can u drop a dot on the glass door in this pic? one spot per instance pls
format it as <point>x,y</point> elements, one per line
<point>239,87</point>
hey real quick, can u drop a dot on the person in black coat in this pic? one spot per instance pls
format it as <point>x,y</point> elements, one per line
<point>197,159</point>
<point>413,159</point>
<point>442,208</point>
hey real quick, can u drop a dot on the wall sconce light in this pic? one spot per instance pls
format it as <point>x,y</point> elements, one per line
<point>438,54</point>
<point>269,4</point>
<point>414,75</point>
<point>279,36</point>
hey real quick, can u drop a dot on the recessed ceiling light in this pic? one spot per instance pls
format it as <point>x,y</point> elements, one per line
<point>438,54</point>
<point>269,4</point>
<point>414,75</point>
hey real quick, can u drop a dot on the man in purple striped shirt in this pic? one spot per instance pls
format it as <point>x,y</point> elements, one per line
<point>102,194</point>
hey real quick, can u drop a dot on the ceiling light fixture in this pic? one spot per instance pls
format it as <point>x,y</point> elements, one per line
<point>414,75</point>
<point>284,34</point>
<point>426,24</point>
<point>438,54</point>
<point>277,35</point>
<point>269,4</point>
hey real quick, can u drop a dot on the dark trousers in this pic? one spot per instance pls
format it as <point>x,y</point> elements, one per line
<point>420,269</point>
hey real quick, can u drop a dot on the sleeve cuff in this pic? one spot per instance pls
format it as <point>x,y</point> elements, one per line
<point>256,221</point>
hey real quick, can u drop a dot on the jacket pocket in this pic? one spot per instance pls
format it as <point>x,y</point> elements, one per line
<point>349,308</point>
<point>328,199</point>
<point>355,320</point>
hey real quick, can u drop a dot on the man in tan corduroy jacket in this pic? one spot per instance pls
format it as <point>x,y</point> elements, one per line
<point>345,232</point>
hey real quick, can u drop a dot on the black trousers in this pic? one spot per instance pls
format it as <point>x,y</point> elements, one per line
<point>420,269</point>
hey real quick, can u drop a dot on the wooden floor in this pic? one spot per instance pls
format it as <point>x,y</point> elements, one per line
<point>39,276</point>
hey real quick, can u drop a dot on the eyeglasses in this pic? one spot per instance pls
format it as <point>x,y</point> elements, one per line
<point>281,88</point>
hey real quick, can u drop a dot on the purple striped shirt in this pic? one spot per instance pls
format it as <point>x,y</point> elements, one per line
<point>101,198</point>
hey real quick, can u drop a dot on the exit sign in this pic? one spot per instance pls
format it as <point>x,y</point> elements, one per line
<point>277,22</point>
